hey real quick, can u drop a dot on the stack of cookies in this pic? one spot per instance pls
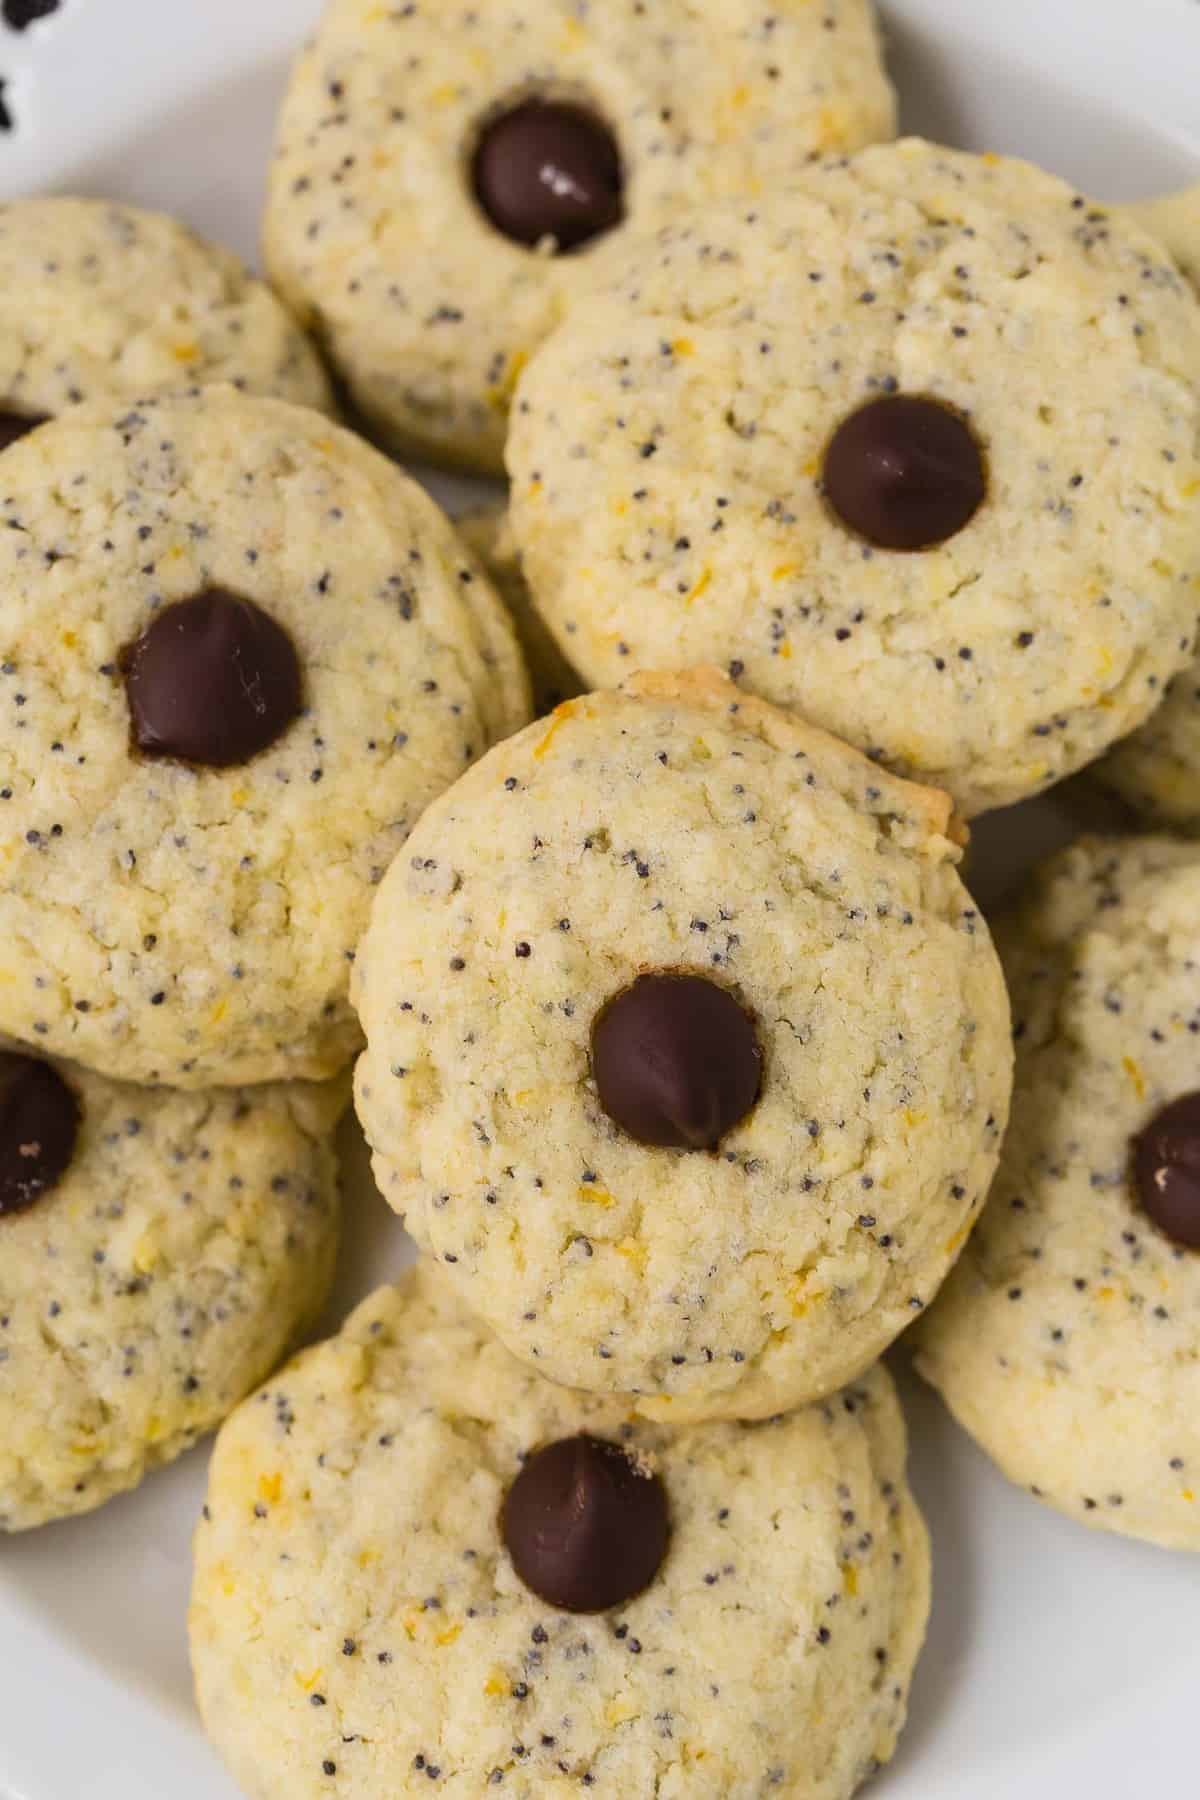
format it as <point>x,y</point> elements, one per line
<point>241,652</point>
<point>853,494</point>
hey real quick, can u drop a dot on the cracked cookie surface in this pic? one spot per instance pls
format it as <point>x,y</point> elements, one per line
<point>373,231</point>
<point>189,1242</point>
<point>191,925</point>
<point>680,826</point>
<point>1066,1340</point>
<point>357,1626</point>
<point>669,454</point>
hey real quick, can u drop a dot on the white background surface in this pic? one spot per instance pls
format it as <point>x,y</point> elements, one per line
<point>1060,1663</point>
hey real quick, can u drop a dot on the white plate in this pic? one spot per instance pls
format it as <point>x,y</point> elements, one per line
<point>1059,1662</point>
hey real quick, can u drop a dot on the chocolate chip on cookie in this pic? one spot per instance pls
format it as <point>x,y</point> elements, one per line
<point>770,399</point>
<point>425,151</point>
<point>676,1060</point>
<point>691,923</point>
<point>266,652</point>
<point>904,472</point>
<point>585,1524</point>
<point>214,680</point>
<point>546,170</point>
<point>20,14</point>
<point>1166,1167</point>
<point>39,1123</point>
<point>14,425</point>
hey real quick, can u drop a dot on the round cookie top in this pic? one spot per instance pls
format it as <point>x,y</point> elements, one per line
<point>1066,1340</point>
<point>910,444</point>
<point>447,179</point>
<point>358,1624</point>
<point>687,1052</point>
<point>161,1251</point>
<point>103,302</point>
<point>240,652</point>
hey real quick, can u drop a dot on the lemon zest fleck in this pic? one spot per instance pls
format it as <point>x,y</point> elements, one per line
<point>701,584</point>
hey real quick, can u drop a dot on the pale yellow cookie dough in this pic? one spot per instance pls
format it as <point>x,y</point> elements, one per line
<point>1158,769</point>
<point>358,1629</point>
<point>668,444</point>
<point>489,535</point>
<point>678,825</point>
<point>105,302</point>
<point>189,1243</point>
<point>373,232</point>
<point>1175,221</point>
<point>193,926</point>
<point>1067,1341</point>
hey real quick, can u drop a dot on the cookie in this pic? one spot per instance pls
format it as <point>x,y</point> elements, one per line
<point>489,535</point>
<point>106,303</point>
<point>240,652</point>
<point>911,446</point>
<point>1175,221</point>
<point>447,180</point>
<point>687,1051</point>
<point>370,1614</point>
<point>160,1254</point>
<point>1157,770</point>
<point>1066,1341</point>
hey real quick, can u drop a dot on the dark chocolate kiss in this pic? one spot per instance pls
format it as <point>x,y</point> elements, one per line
<point>214,680</point>
<point>1166,1170</point>
<point>39,1122</point>
<point>14,426</point>
<point>547,170</point>
<point>585,1525</point>
<point>676,1060</point>
<point>904,472</point>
